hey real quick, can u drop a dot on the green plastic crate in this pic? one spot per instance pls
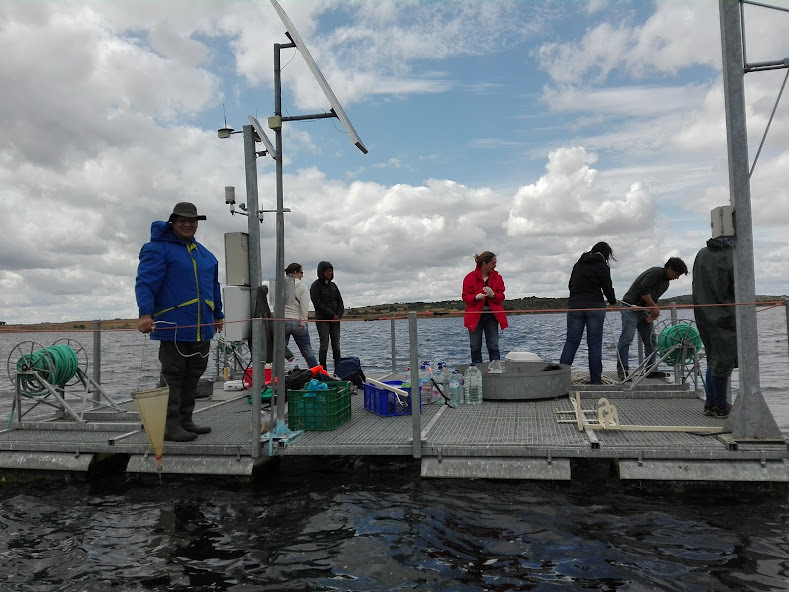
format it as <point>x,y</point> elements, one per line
<point>322,410</point>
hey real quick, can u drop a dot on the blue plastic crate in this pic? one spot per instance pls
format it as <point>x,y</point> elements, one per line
<point>384,402</point>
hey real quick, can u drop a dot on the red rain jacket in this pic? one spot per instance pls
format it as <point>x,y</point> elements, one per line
<point>473,285</point>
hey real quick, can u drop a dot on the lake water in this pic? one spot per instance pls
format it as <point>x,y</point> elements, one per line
<point>359,524</point>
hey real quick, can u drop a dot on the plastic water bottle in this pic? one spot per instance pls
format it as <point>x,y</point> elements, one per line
<point>439,386</point>
<point>407,378</point>
<point>425,386</point>
<point>472,385</point>
<point>445,376</point>
<point>495,367</point>
<point>455,389</point>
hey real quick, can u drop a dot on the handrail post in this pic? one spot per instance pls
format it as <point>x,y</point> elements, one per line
<point>786,308</point>
<point>97,362</point>
<point>677,371</point>
<point>416,396</point>
<point>394,349</point>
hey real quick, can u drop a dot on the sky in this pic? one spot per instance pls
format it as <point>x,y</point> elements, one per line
<point>530,129</point>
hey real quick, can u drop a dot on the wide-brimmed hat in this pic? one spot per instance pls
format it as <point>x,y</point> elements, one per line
<point>184,209</point>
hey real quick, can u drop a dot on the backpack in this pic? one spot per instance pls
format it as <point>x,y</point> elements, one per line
<point>350,369</point>
<point>296,379</point>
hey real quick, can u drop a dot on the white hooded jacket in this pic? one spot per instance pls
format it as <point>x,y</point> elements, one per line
<point>297,299</point>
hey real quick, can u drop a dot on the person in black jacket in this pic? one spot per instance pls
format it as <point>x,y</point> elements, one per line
<point>589,281</point>
<point>327,301</point>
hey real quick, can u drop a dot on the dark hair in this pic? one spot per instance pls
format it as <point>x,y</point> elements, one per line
<point>484,257</point>
<point>677,265</point>
<point>605,250</point>
<point>293,268</point>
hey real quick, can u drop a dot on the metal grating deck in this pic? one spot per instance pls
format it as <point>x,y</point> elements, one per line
<point>522,439</point>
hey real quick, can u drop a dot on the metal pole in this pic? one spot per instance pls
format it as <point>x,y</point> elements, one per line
<point>279,268</point>
<point>677,370</point>
<point>394,349</point>
<point>97,361</point>
<point>416,396</point>
<point>786,308</point>
<point>258,377</point>
<point>253,227</point>
<point>750,418</point>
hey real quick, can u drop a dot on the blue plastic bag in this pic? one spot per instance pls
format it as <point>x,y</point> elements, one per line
<point>317,385</point>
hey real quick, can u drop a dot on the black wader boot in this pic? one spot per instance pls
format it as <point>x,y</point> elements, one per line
<point>173,431</point>
<point>188,396</point>
<point>174,373</point>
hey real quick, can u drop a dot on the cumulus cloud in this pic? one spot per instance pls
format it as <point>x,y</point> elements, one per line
<point>109,108</point>
<point>566,202</point>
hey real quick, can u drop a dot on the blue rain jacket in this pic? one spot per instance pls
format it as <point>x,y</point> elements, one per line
<point>178,285</point>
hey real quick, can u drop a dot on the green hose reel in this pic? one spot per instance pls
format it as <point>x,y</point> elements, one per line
<point>37,368</point>
<point>679,343</point>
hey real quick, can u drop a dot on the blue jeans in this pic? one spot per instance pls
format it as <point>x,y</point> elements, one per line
<point>490,326</point>
<point>302,339</point>
<point>593,321</point>
<point>632,321</point>
<point>716,390</point>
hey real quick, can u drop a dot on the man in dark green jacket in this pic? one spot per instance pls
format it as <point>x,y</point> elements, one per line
<point>713,284</point>
<point>644,294</point>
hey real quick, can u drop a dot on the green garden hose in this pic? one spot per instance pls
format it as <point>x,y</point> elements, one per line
<point>674,336</point>
<point>57,364</point>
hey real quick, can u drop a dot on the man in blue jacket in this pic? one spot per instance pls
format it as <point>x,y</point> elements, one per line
<point>180,304</point>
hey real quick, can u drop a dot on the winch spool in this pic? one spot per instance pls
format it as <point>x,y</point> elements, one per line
<point>678,343</point>
<point>35,366</point>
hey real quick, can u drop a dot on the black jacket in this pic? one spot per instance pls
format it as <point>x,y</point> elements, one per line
<point>589,281</point>
<point>263,310</point>
<point>325,295</point>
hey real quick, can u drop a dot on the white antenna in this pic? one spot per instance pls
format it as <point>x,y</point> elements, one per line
<point>305,53</point>
<point>264,138</point>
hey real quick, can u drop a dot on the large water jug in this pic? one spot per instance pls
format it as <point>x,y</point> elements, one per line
<point>425,386</point>
<point>495,367</point>
<point>455,389</point>
<point>472,384</point>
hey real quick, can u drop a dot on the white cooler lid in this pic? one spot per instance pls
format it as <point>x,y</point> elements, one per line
<point>522,357</point>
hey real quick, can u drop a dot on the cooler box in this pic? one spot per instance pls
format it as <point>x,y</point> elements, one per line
<point>248,377</point>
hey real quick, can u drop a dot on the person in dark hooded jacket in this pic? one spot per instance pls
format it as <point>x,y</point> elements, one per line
<point>713,283</point>
<point>590,280</point>
<point>329,308</point>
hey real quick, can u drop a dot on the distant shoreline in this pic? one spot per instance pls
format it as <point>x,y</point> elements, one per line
<point>366,313</point>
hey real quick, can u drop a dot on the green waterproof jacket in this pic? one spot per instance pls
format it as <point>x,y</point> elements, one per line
<point>713,283</point>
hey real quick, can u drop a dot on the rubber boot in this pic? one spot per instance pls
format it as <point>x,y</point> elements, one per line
<point>188,396</point>
<point>173,432</point>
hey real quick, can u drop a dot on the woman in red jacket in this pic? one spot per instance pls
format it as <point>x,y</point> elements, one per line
<point>483,293</point>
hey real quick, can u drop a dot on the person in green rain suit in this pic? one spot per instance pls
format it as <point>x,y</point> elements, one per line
<point>713,283</point>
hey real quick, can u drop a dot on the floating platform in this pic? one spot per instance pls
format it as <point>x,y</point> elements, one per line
<point>655,431</point>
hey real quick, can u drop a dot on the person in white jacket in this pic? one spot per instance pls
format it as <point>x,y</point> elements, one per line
<point>297,307</point>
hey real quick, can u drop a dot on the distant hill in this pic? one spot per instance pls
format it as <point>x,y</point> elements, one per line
<point>527,303</point>
<point>377,311</point>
